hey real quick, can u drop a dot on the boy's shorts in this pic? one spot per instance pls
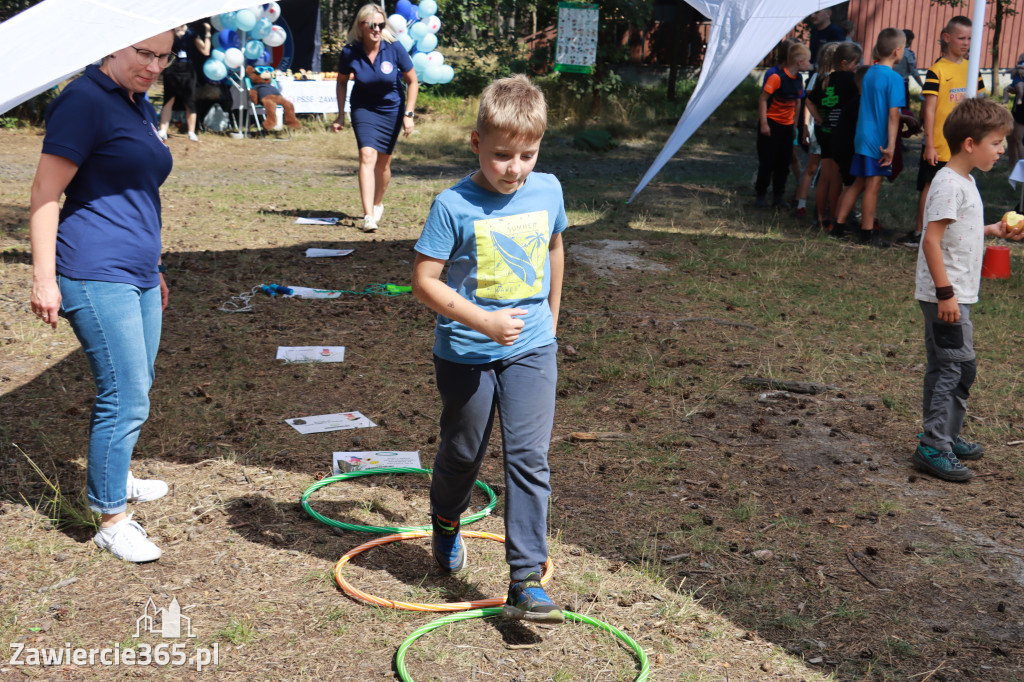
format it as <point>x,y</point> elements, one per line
<point>926,173</point>
<point>867,167</point>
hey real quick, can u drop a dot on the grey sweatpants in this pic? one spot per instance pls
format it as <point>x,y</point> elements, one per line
<point>948,376</point>
<point>522,391</point>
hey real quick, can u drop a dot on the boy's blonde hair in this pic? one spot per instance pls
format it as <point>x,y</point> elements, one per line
<point>975,118</point>
<point>889,40</point>
<point>514,106</point>
<point>959,20</point>
<point>795,50</point>
<point>366,13</point>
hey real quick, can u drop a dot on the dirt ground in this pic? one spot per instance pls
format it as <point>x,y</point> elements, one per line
<point>735,531</point>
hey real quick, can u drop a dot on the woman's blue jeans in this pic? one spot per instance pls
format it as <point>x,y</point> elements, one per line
<point>118,326</point>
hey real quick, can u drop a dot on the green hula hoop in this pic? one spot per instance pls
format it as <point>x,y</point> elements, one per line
<point>492,501</point>
<point>403,674</point>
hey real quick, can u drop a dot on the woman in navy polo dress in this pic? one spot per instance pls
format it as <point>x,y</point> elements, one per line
<point>380,108</point>
<point>96,262</point>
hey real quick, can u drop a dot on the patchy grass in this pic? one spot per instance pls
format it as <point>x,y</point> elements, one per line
<point>655,532</point>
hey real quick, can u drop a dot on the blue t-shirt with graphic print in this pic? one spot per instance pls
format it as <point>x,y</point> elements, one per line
<point>496,246</point>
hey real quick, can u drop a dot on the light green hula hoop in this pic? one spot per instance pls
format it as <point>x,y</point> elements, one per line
<point>403,674</point>
<point>492,501</point>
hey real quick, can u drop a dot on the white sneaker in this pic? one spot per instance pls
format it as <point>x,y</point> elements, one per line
<point>378,211</point>
<point>145,490</point>
<point>369,223</point>
<point>127,541</point>
<point>162,134</point>
<point>192,137</point>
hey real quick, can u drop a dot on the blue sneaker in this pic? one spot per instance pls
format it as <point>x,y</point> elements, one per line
<point>447,545</point>
<point>965,450</point>
<point>528,601</point>
<point>945,465</point>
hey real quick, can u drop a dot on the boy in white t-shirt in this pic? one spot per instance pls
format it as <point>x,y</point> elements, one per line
<point>948,278</point>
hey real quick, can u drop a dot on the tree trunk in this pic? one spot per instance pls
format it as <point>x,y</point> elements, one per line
<point>673,58</point>
<point>997,30</point>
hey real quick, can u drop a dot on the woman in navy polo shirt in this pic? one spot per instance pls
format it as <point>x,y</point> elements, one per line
<point>96,262</point>
<point>379,110</point>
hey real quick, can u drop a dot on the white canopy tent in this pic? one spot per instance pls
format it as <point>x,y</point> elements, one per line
<point>58,38</point>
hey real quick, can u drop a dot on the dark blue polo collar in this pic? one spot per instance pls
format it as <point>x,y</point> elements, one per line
<point>101,79</point>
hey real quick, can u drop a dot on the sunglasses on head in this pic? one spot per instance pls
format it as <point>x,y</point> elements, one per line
<point>379,27</point>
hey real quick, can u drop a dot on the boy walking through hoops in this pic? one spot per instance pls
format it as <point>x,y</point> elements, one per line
<point>499,231</point>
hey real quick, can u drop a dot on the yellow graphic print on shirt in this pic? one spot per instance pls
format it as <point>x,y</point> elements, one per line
<point>510,253</point>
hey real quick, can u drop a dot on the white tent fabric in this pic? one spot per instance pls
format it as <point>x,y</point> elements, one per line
<point>742,33</point>
<point>58,38</point>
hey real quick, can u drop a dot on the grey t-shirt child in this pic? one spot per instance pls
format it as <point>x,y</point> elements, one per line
<point>954,197</point>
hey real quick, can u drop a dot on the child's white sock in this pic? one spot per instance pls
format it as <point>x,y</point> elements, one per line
<point>801,203</point>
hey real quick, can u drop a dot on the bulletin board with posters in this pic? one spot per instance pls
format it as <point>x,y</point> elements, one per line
<point>576,49</point>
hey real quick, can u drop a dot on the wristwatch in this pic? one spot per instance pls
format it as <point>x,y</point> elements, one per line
<point>410,114</point>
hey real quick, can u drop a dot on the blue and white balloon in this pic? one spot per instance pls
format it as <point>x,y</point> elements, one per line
<point>427,43</point>
<point>261,29</point>
<point>426,8</point>
<point>244,20</point>
<point>420,61</point>
<point>276,37</point>
<point>435,57</point>
<point>217,55</point>
<point>405,41</point>
<point>272,11</point>
<point>433,24</point>
<point>233,58</point>
<point>227,20</point>
<point>418,30</point>
<point>398,24</point>
<point>253,49</point>
<point>214,69</point>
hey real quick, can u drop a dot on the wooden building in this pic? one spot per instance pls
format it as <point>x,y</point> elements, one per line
<point>671,35</point>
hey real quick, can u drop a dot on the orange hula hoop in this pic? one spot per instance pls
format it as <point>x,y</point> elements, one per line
<point>412,606</point>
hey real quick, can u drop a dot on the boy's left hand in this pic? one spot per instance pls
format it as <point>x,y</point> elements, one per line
<point>886,158</point>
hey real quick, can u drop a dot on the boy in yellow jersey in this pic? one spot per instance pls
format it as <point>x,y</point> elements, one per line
<point>945,85</point>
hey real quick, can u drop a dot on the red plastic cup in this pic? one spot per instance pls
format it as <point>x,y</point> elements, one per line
<point>996,264</point>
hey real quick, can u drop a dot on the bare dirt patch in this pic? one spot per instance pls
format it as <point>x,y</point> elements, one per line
<point>794,519</point>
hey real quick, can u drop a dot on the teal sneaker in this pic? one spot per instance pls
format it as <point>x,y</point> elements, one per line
<point>965,450</point>
<point>945,465</point>
<point>528,601</point>
<point>447,545</point>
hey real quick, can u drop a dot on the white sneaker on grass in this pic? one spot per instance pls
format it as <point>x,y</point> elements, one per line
<point>162,134</point>
<point>369,224</point>
<point>378,211</point>
<point>192,137</point>
<point>145,490</point>
<point>127,541</point>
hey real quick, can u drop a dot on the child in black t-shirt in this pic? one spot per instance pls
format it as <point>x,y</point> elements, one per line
<point>833,94</point>
<point>845,129</point>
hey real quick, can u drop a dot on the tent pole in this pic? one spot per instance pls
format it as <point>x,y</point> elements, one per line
<point>977,40</point>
